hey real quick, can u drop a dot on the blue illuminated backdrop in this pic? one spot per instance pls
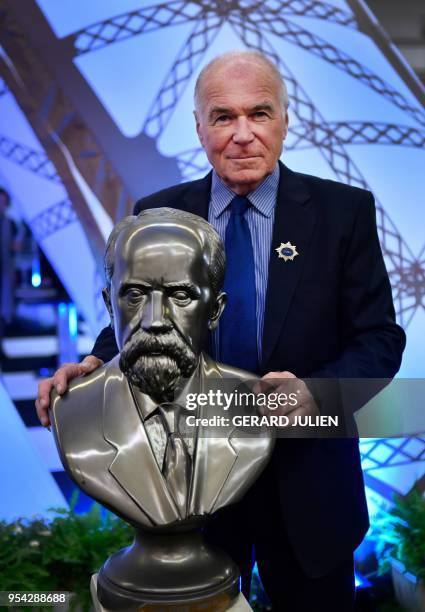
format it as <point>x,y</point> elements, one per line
<point>356,115</point>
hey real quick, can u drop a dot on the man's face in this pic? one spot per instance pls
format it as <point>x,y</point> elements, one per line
<point>241,123</point>
<point>162,303</point>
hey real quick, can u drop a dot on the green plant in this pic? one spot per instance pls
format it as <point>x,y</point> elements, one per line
<point>400,534</point>
<point>59,554</point>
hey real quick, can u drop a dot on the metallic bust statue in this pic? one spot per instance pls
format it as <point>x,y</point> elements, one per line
<point>122,431</point>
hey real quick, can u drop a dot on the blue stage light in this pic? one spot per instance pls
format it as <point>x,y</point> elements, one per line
<point>35,279</point>
<point>35,271</point>
<point>72,320</point>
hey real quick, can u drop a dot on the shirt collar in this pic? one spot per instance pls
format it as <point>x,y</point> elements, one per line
<point>263,198</point>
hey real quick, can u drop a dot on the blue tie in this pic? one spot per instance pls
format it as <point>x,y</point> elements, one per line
<point>238,324</point>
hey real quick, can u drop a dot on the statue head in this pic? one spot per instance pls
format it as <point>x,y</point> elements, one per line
<point>164,272</point>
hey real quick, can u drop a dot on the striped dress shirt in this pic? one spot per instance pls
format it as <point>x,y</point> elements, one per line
<point>260,218</point>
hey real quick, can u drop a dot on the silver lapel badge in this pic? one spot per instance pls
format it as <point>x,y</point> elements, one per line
<point>287,251</point>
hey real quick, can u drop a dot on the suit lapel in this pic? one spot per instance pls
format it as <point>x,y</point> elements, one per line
<point>214,458</point>
<point>197,198</point>
<point>294,221</point>
<point>134,466</point>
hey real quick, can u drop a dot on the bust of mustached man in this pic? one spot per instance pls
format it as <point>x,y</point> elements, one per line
<point>119,431</point>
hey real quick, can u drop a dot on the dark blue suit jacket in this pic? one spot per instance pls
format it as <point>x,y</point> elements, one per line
<point>329,314</point>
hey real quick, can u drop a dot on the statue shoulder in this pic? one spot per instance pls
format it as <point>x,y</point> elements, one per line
<point>227,371</point>
<point>82,400</point>
<point>215,370</point>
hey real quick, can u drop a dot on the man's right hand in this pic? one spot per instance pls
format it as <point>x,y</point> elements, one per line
<point>60,380</point>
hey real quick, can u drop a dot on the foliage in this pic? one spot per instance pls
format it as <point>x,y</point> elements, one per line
<point>400,534</point>
<point>59,554</point>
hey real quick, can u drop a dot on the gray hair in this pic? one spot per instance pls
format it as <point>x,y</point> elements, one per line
<point>207,233</point>
<point>245,55</point>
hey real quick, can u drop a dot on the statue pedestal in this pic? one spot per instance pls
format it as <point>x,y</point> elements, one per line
<point>169,570</point>
<point>240,605</point>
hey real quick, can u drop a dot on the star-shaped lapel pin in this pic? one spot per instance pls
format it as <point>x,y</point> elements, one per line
<point>287,251</point>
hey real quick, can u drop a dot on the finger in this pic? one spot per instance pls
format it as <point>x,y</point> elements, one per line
<point>43,401</point>
<point>262,386</point>
<point>271,375</point>
<point>40,411</point>
<point>90,363</point>
<point>42,414</point>
<point>281,410</point>
<point>43,393</point>
<point>62,376</point>
<point>280,387</point>
<point>86,368</point>
<point>278,375</point>
<point>269,382</point>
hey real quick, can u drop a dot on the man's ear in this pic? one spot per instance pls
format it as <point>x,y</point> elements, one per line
<point>107,299</point>
<point>219,305</point>
<point>286,125</point>
<point>198,126</point>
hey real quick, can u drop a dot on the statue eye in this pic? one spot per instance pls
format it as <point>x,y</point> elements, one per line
<point>133,295</point>
<point>181,297</point>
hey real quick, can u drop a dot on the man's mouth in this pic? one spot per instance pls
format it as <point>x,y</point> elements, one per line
<point>241,158</point>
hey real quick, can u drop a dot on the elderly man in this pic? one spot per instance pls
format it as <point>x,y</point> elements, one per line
<point>307,249</point>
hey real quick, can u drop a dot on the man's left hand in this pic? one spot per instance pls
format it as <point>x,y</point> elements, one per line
<point>286,382</point>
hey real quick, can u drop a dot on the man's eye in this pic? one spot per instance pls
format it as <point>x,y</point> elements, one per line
<point>222,119</point>
<point>260,115</point>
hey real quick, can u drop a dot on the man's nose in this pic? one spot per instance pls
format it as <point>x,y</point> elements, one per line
<point>154,316</point>
<point>243,133</point>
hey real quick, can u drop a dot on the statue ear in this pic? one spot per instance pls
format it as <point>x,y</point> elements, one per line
<point>219,305</point>
<point>107,299</point>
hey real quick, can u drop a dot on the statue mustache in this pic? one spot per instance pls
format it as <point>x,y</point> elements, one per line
<point>143,343</point>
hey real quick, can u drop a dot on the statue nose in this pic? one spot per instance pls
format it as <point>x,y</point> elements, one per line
<point>153,316</point>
